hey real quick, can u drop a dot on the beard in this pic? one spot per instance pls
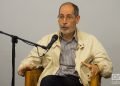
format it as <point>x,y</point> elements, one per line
<point>66,30</point>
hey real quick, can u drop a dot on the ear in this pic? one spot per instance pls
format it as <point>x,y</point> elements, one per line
<point>77,19</point>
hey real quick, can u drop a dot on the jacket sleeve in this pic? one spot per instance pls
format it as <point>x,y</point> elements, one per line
<point>34,59</point>
<point>101,58</point>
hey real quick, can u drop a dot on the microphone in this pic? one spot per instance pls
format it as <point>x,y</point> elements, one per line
<point>54,38</point>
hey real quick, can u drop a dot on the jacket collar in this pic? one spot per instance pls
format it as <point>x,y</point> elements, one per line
<point>80,41</point>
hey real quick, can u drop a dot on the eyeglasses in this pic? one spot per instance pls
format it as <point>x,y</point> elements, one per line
<point>68,17</point>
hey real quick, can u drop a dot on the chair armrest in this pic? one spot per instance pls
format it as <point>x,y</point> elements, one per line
<point>96,81</point>
<point>32,76</point>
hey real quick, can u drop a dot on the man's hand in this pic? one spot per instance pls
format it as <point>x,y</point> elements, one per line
<point>23,69</point>
<point>94,68</point>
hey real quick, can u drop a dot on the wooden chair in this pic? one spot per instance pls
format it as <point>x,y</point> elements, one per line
<point>32,76</point>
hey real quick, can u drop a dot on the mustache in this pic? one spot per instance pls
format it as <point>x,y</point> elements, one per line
<point>64,27</point>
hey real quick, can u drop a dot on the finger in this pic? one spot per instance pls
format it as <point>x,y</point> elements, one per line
<point>20,73</point>
<point>94,70</point>
<point>97,70</point>
<point>87,65</point>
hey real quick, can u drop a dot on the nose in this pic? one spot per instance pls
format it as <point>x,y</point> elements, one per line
<point>65,21</point>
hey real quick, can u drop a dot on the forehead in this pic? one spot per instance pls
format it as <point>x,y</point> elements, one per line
<point>66,9</point>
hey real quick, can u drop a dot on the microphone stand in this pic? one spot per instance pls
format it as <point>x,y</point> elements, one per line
<point>15,41</point>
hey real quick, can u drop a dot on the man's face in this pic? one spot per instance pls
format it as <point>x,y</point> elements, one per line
<point>67,20</point>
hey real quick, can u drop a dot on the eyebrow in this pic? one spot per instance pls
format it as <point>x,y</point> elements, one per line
<point>67,14</point>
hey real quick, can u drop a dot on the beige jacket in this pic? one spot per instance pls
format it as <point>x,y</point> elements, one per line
<point>89,50</point>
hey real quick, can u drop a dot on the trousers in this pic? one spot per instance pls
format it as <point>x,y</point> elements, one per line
<point>56,80</point>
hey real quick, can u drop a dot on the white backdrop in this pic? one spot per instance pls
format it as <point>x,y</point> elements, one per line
<point>32,19</point>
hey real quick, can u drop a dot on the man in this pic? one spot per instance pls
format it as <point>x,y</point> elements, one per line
<point>73,59</point>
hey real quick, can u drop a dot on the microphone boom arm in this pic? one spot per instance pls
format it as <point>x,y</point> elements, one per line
<point>14,41</point>
<point>26,41</point>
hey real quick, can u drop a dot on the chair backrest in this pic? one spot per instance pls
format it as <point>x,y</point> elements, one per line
<point>32,76</point>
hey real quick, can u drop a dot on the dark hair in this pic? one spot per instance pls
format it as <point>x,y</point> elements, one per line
<point>76,9</point>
